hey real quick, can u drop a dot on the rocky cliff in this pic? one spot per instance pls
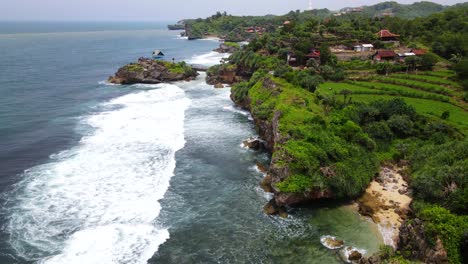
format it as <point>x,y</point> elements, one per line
<point>414,245</point>
<point>269,131</point>
<point>150,71</point>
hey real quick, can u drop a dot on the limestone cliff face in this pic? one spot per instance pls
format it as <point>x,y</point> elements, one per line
<point>413,241</point>
<point>269,131</point>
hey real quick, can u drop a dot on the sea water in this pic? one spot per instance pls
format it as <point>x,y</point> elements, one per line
<point>99,173</point>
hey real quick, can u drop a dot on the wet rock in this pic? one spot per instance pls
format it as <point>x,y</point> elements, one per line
<point>331,242</point>
<point>219,85</point>
<point>271,208</point>
<point>254,143</point>
<point>355,256</point>
<point>262,168</point>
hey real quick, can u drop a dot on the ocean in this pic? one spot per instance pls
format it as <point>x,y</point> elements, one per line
<point>99,173</point>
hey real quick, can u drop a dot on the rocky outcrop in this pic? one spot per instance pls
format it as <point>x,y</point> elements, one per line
<point>254,143</point>
<point>149,71</point>
<point>269,131</point>
<point>225,48</point>
<point>413,242</point>
<point>221,75</point>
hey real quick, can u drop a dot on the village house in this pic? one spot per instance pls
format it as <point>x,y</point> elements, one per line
<point>363,47</point>
<point>403,56</point>
<point>386,35</point>
<point>314,55</point>
<point>384,55</point>
<point>418,52</point>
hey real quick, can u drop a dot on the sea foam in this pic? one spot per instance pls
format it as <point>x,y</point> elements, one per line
<point>98,201</point>
<point>208,59</point>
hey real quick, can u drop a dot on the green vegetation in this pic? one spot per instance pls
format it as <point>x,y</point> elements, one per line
<point>179,68</point>
<point>134,67</point>
<point>337,121</point>
<point>232,44</point>
<point>446,226</point>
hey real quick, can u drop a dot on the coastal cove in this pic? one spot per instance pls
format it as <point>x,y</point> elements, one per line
<point>126,173</point>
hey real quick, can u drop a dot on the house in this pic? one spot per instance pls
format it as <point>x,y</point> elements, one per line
<point>158,55</point>
<point>363,47</point>
<point>250,30</point>
<point>386,35</point>
<point>313,55</point>
<point>292,60</point>
<point>384,55</point>
<point>287,22</point>
<point>403,56</point>
<point>419,52</point>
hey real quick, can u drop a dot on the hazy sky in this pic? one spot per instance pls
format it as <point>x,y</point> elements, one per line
<point>159,10</point>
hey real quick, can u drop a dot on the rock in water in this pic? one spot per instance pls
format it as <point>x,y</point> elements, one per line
<point>331,242</point>
<point>254,143</point>
<point>355,256</point>
<point>150,71</point>
<point>219,85</point>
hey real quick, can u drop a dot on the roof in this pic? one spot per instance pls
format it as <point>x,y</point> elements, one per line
<point>419,51</point>
<point>313,54</point>
<point>385,33</point>
<point>158,52</point>
<point>287,22</point>
<point>367,45</point>
<point>385,53</point>
<point>406,54</point>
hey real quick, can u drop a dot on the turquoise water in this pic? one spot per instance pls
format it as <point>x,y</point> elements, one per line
<point>94,173</point>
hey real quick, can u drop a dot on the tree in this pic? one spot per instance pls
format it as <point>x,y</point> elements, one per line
<point>411,63</point>
<point>462,69</point>
<point>311,82</point>
<point>384,68</point>
<point>428,61</point>
<point>325,54</point>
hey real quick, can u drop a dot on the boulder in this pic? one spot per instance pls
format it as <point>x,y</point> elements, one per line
<point>219,85</point>
<point>254,143</point>
<point>223,48</point>
<point>355,256</point>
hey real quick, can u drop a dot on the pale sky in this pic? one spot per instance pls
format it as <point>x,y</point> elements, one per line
<point>158,10</point>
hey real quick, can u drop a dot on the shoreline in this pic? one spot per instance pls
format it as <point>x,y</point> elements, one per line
<point>387,202</point>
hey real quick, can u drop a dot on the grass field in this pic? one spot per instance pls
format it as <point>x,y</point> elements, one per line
<point>429,79</point>
<point>430,93</point>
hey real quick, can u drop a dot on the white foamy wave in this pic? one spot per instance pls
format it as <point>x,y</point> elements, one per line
<point>236,110</point>
<point>107,83</point>
<point>208,59</point>
<point>97,202</point>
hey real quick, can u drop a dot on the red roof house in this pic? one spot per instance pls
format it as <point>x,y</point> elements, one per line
<point>381,55</point>
<point>314,54</point>
<point>419,52</point>
<point>386,35</point>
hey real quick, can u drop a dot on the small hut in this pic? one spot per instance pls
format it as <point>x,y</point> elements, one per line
<point>158,55</point>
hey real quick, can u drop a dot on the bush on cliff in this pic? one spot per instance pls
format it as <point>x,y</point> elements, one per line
<point>440,223</point>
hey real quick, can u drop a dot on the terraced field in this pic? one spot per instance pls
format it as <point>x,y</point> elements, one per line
<point>431,93</point>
